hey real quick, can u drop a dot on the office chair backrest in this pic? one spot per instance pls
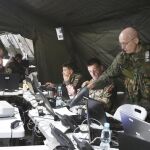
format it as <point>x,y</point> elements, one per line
<point>133,110</point>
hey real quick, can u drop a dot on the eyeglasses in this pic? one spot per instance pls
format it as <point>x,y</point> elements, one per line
<point>123,44</point>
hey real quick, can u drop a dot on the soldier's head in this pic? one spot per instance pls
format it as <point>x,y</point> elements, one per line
<point>129,40</point>
<point>67,69</point>
<point>95,68</point>
<point>18,57</point>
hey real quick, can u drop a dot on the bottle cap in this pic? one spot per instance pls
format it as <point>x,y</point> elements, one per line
<point>107,125</point>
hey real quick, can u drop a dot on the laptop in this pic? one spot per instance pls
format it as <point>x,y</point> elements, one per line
<point>135,127</point>
<point>9,82</point>
<point>96,111</point>
<point>47,105</point>
<point>127,142</point>
<point>35,83</point>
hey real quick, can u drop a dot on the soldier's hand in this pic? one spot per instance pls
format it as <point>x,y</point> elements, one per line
<point>90,85</point>
<point>66,77</point>
<point>71,90</point>
<point>85,83</point>
<point>50,84</point>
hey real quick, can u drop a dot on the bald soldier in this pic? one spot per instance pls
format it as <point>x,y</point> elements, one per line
<point>133,64</point>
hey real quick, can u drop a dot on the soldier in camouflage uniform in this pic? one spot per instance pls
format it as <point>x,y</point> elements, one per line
<point>133,64</point>
<point>95,69</point>
<point>71,80</point>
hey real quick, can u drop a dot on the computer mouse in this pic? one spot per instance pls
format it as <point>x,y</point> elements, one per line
<point>15,124</point>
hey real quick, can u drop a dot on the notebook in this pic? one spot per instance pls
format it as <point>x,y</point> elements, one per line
<point>135,127</point>
<point>47,105</point>
<point>127,142</point>
<point>9,81</point>
<point>35,84</point>
<point>95,110</point>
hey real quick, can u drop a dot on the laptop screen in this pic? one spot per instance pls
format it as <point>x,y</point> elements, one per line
<point>127,142</point>
<point>47,104</point>
<point>9,81</point>
<point>95,111</point>
<point>135,127</point>
<point>35,84</point>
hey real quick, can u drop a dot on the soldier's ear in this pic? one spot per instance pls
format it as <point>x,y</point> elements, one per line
<point>71,71</point>
<point>102,68</point>
<point>136,40</point>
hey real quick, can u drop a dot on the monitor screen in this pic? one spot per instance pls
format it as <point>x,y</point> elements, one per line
<point>47,105</point>
<point>135,127</point>
<point>128,142</point>
<point>95,111</point>
<point>35,84</point>
<point>9,81</point>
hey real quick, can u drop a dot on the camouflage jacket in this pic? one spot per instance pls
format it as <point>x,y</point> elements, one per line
<point>102,95</point>
<point>75,80</point>
<point>136,73</point>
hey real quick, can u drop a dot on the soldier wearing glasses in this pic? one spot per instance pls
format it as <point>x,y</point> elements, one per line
<point>133,64</point>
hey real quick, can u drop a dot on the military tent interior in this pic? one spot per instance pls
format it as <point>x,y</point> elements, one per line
<point>90,28</point>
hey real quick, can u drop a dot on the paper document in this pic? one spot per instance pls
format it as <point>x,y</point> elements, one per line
<point>64,111</point>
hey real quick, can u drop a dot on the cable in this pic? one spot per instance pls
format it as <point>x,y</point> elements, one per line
<point>76,129</point>
<point>83,121</point>
<point>96,121</point>
<point>24,115</point>
<point>36,130</point>
<point>29,124</point>
<point>13,126</point>
<point>94,140</point>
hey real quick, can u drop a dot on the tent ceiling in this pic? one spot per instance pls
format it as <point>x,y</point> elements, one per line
<point>90,28</point>
<point>77,12</point>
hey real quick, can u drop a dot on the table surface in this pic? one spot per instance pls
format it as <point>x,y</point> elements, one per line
<point>37,147</point>
<point>5,124</point>
<point>43,123</point>
<point>14,93</point>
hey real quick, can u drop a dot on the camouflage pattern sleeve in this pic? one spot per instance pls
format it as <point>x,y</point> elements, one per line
<point>77,80</point>
<point>113,71</point>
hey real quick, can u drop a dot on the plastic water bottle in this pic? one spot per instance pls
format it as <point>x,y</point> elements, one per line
<point>59,96</point>
<point>105,137</point>
<point>59,92</point>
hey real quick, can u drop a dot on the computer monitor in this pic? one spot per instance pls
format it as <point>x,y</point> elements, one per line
<point>47,105</point>
<point>9,81</point>
<point>135,127</point>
